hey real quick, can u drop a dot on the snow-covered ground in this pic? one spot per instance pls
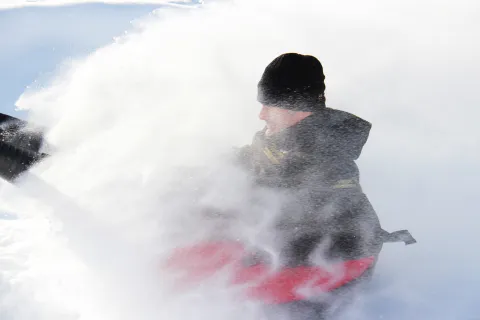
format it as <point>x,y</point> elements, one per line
<point>83,241</point>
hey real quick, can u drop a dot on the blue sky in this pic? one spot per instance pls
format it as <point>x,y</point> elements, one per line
<point>35,40</point>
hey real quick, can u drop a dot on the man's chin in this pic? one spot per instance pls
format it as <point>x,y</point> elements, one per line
<point>269,131</point>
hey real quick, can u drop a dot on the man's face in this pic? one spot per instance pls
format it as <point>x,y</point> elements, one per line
<point>277,119</point>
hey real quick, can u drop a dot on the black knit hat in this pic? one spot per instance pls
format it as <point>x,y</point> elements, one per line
<point>293,81</point>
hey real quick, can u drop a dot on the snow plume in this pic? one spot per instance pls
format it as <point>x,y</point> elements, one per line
<point>141,131</point>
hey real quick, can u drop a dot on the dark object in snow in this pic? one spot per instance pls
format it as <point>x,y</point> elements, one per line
<point>19,147</point>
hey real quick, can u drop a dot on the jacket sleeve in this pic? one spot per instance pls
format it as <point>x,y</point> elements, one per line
<point>343,228</point>
<point>356,231</point>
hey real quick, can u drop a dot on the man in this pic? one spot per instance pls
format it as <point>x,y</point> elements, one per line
<point>308,151</point>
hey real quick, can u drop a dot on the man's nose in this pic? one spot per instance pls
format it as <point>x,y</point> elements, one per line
<point>263,113</point>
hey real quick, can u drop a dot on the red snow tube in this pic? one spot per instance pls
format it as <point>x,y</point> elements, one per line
<point>270,286</point>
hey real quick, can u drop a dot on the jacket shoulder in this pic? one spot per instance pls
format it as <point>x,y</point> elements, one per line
<point>350,132</point>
